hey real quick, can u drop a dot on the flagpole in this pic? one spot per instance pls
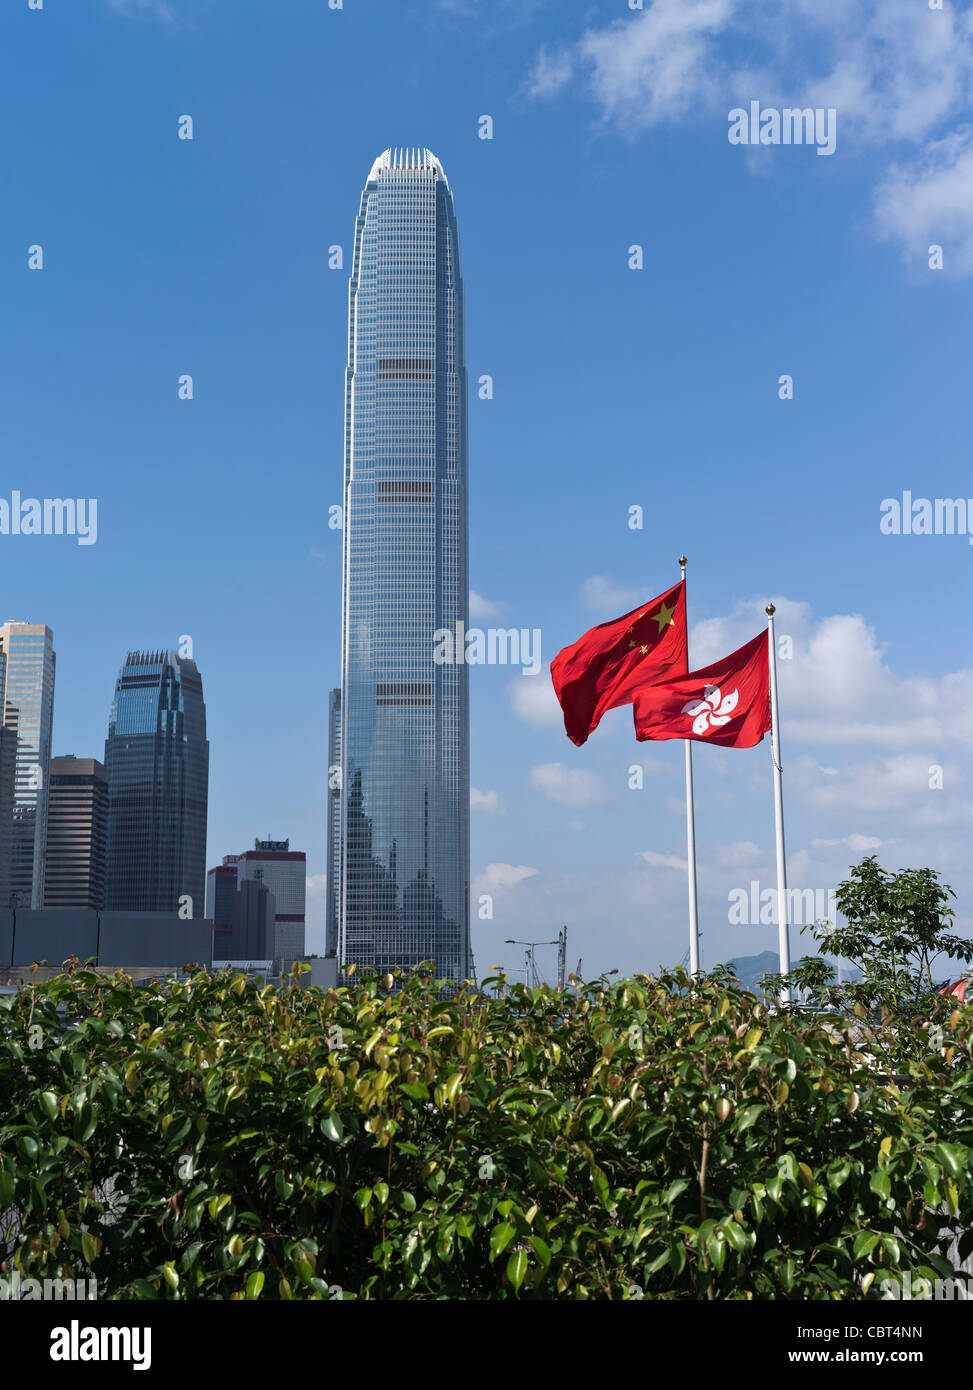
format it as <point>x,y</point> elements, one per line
<point>782,926</point>
<point>690,817</point>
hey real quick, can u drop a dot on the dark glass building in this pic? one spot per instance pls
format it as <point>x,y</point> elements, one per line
<point>157,761</point>
<point>404,719</point>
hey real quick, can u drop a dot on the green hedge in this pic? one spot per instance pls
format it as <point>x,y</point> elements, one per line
<point>209,1139</point>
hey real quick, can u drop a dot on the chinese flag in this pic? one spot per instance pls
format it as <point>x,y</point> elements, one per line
<point>727,703</point>
<point>605,667</point>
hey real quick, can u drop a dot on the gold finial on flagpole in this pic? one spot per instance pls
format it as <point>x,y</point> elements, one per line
<point>770,609</point>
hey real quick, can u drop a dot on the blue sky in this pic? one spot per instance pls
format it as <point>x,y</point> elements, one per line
<point>613,388</point>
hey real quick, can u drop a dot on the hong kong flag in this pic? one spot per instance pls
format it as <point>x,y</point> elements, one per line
<point>727,703</point>
<point>605,667</point>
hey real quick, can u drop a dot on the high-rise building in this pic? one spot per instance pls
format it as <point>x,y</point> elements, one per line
<point>283,872</point>
<point>334,823</point>
<point>77,825</point>
<point>157,761</point>
<point>221,886</point>
<point>27,685</point>
<point>404,737</point>
<point>252,929</point>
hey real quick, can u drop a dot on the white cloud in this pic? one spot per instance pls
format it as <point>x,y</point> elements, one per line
<point>837,687</point>
<point>146,9</point>
<point>486,803</point>
<point>662,861</point>
<point>500,878</point>
<point>738,854</point>
<point>609,600</point>
<point>660,65</point>
<point>534,700</point>
<point>550,72</point>
<point>568,786</point>
<point>930,203</point>
<point>886,786</point>
<point>898,74</point>
<point>483,608</point>
<point>316,885</point>
<point>859,844</point>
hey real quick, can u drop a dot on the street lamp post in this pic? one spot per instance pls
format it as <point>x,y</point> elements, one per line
<point>530,970</point>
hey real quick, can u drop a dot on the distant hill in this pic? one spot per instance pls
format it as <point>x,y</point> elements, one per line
<point>751,969</point>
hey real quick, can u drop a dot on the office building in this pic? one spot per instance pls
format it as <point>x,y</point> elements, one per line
<point>157,761</point>
<point>77,827</point>
<point>404,731</point>
<point>27,664</point>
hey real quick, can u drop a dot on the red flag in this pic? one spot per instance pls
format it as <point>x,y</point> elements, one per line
<point>605,667</point>
<point>727,703</point>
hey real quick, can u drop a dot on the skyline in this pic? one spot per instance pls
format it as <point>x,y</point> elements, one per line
<point>612,388</point>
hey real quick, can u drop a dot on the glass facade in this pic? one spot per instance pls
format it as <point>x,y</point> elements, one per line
<point>27,665</point>
<point>404,731</point>
<point>334,822</point>
<point>157,760</point>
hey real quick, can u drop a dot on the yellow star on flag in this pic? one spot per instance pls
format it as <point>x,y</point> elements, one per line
<point>664,616</point>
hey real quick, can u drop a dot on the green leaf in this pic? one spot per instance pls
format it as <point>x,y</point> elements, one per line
<point>865,1243</point>
<point>838,1174</point>
<point>893,1247</point>
<point>541,1250</point>
<point>674,1190</point>
<point>28,1146</point>
<point>517,1268</point>
<point>331,1127</point>
<point>500,1238</point>
<point>952,1157</point>
<point>880,1183</point>
<point>255,1283</point>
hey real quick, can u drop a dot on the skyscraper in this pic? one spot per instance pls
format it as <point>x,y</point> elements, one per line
<point>27,683</point>
<point>404,734</point>
<point>334,823</point>
<point>77,822</point>
<point>157,760</point>
<point>283,872</point>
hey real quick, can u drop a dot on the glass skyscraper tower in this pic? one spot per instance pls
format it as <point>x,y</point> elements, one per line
<point>157,761</point>
<point>403,812</point>
<point>27,666</point>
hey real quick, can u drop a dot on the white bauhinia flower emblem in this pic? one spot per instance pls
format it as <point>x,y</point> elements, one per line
<point>712,710</point>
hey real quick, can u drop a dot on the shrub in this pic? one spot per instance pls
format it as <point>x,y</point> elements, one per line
<point>215,1140</point>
